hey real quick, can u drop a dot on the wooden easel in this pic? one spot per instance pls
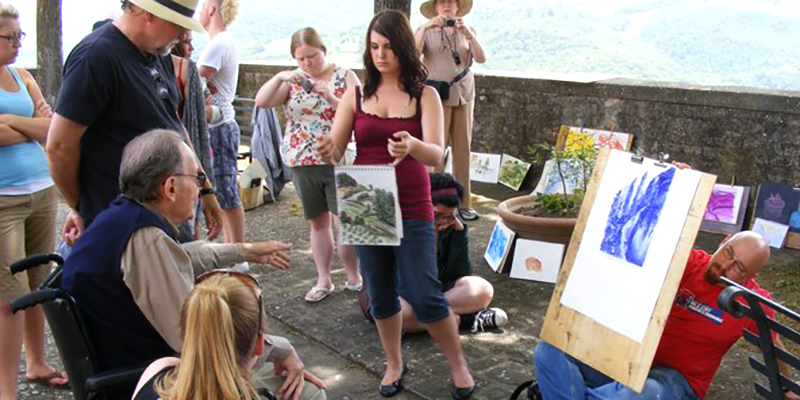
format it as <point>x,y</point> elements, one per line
<point>619,357</point>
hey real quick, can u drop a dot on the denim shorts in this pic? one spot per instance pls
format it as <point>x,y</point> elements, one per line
<point>316,187</point>
<point>225,148</point>
<point>408,269</point>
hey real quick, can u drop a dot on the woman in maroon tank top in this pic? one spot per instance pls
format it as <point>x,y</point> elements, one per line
<point>399,121</point>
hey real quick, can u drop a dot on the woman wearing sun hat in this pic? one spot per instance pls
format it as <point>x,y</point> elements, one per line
<point>449,47</point>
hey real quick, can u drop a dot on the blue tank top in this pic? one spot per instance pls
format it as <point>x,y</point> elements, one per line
<point>24,164</point>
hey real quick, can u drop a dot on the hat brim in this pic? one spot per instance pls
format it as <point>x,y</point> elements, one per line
<point>428,9</point>
<point>169,15</point>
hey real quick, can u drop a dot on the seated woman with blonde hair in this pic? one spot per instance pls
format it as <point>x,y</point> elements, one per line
<point>222,321</point>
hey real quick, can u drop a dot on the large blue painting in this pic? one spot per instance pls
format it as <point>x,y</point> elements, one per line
<point>634,215</point>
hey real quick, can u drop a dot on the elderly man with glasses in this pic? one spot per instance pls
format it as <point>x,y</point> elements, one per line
<point>119,82</point>
<point>130,276</point>
<point>695,339</point>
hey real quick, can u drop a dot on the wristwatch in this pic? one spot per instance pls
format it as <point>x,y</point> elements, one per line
<point>205,191</point>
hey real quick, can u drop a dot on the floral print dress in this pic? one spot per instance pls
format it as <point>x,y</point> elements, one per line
<point>308,115</point>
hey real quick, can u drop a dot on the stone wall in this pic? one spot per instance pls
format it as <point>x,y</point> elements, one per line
<point>746,133</point>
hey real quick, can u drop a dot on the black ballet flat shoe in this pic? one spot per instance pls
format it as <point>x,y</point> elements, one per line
<point>462,393</point>
<point>395,387</point>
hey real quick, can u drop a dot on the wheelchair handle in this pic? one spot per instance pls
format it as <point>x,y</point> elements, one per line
<point>33,299</point>
<point>35,261</point>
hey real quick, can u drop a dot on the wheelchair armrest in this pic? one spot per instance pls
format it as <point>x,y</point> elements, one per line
<point>114,378</point>
<point>33,299</point>
<point>35,261</point>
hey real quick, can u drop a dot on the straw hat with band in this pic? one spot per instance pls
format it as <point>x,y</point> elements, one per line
<point>428,8</point>
<point>178,12</point>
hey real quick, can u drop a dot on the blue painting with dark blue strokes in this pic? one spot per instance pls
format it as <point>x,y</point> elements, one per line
<point>497,244</point>
<point>634,215</point>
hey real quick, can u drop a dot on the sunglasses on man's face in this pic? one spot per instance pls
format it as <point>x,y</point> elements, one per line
<point>246,279</point>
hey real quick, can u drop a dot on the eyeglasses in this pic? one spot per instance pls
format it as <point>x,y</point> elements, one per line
<point>443,217</point>
<point>738,266</point>
<point>161,86</point>
<point>14,38</point>
<point>246,279</point>
<point>200,178</point>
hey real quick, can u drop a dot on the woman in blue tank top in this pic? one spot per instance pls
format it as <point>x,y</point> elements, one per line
<point>27,210</point>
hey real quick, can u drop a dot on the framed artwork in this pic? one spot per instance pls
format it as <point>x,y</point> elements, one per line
<point>484,167</point>
<point>726,208</point>
<point>513,171</point>
<point>776,202</point>
<point>536,261</point>
<point>369,210</point>
<point>499,246</point>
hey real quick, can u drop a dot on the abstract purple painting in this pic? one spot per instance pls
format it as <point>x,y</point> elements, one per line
<point>724,204</point>
<point>634,215</point>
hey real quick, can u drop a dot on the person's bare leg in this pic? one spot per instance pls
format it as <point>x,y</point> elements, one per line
<point>410,322</point>
<point>33,338</point>
<point>347,254</point>
<point>234,225</point>
<point>322,247</point>
<point>470,295</point>
<point>389,330</point>
<point>445,333</point>
<point>11,328</point>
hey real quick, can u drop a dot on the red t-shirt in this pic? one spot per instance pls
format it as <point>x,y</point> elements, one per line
<point>413,183</point>
<point>698,333</point>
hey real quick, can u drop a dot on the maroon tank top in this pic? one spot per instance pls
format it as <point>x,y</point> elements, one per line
<point>372,138</point>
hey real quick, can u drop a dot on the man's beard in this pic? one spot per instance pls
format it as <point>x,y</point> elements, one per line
<point>166,50</point>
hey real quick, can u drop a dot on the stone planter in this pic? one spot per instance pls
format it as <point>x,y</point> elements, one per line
<point>554,230</point>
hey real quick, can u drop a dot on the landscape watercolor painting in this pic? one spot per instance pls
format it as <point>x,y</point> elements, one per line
<point>369,211</point>
<point>630,238</point>
<point>634,214</point>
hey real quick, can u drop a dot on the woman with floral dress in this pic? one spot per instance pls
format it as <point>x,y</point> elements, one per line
<point>310,95</point>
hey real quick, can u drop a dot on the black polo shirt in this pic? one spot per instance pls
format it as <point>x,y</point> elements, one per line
<point>118,93</point>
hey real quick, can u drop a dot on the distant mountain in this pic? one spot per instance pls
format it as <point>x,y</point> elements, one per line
<point>718,42</point>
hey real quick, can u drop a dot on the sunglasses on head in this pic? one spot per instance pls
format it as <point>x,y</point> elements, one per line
<point>246,279</point>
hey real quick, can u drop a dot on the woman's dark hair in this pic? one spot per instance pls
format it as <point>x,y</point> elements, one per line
<point>446,190</point>
<point>394,26</point>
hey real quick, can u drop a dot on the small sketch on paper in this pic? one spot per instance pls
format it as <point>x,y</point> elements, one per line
<point>634,215</point>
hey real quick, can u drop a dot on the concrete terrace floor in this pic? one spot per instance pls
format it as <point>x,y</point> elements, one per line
<point>340,346</point>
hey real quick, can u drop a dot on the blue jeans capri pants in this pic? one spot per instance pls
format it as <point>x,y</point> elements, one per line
<point>409,268</point>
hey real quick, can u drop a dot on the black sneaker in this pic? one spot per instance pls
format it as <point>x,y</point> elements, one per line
<point>490,318</point>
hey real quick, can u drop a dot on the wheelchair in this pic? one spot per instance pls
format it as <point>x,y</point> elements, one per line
<point>64,317</point>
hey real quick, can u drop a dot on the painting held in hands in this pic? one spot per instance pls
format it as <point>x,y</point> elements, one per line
<point>634,214</point>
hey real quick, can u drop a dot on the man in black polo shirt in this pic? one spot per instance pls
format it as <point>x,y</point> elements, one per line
<point>119,82</point>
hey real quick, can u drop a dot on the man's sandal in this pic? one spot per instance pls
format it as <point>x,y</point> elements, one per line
<point>317,294</point>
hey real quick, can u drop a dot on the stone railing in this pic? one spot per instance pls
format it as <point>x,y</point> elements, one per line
<point>747,133</point>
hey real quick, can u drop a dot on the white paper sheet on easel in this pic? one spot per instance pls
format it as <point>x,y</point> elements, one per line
<point>627,246</point>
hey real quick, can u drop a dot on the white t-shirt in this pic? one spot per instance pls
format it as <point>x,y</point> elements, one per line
<point>220,54</point>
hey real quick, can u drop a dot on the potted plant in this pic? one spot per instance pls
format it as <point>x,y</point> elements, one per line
<point>551,217</point>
